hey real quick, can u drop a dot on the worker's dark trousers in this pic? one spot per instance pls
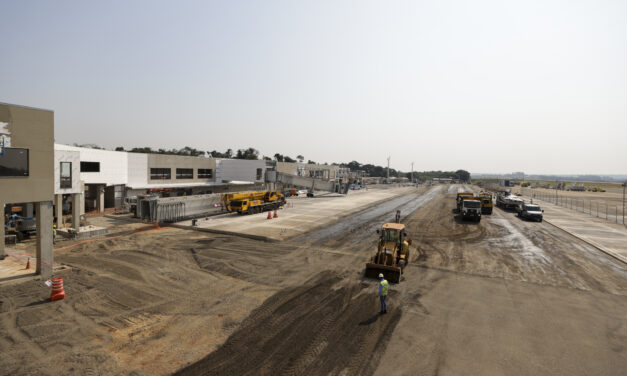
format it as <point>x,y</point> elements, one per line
<point>384,307</point>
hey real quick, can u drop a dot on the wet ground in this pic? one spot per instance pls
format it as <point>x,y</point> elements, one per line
<point>502,296</point>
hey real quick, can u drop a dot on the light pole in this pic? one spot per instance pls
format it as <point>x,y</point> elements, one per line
<point>388,172</point>
<point>624,185</point>
<point>412,173</point>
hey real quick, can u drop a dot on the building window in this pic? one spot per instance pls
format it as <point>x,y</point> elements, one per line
<point>259,171</point>
<point>14,162</point>
<point>160,174</point>
<point>184,173</point>
<point>90,166</point>
<point>66,175</point>
<point>205,173</point>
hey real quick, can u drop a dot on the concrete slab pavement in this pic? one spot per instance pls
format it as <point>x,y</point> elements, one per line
<point>14,264</point>
<point>299,215</point>
<point>608,237</point>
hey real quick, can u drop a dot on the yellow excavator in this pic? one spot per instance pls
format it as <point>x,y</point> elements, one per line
<point>392,253</point>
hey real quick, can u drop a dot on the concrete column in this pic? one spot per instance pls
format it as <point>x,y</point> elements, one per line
<point>101,198</point>
<point>28,210</point>
<point>82,200</point>
<point>58,210</point>
<point>76,211</point>
<point>1,230</point>
<point>45,253</point>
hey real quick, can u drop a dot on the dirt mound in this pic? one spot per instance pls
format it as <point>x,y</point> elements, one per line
<point>322,327</point>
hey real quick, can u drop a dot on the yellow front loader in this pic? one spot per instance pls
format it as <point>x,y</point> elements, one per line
<point>392,252</point>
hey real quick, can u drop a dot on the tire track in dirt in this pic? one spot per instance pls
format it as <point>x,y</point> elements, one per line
<point>327,326</point>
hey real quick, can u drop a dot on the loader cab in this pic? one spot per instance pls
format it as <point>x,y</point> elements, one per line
<point>392,233</point>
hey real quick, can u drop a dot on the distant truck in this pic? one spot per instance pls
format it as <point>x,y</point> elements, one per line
<point>577,187</point>
<point>506,200</point>
<point>530,211</point>
<point>487,203</point>
<point>460,197</point>
<point>22,227</point>
<point>471,209</point>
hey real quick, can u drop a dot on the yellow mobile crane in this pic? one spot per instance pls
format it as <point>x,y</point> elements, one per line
<point>253,202</point>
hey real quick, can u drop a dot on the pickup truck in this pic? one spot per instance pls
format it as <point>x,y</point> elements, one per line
<point>531,212</point>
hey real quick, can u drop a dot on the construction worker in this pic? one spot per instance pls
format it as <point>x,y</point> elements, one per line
<point>384,288</point>
<point>54,234</point>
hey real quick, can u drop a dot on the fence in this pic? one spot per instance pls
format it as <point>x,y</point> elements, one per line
<point>597,208</point>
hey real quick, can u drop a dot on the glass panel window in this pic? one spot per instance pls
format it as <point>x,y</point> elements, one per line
<point>90,166</point>
<point>184,173</point>
<point>205,173</point>
<point>66,175</point>
<point>14,162</point>
<point>259,171</point>
<point>160,174</point>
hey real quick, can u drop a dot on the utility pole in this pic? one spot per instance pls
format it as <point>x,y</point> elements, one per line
<point>624,185</point>
<point>412,172</point>
<point>388,172</point>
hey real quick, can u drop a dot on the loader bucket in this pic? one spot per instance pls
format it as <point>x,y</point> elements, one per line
<point>391,273</point>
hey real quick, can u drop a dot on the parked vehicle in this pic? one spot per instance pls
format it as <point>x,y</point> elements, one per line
<point>530,211</point>
<point>506,200</point>
<point>253,202</point>
<point>22,227</point>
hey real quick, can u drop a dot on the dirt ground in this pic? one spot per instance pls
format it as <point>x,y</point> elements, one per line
<point>502,296</point>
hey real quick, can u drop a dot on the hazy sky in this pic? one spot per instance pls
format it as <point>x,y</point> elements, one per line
<point>488,86</point>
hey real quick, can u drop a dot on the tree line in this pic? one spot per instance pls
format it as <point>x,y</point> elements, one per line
<point>380,171</point>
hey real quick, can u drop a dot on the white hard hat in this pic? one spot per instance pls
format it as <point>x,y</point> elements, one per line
<point>380,275</point>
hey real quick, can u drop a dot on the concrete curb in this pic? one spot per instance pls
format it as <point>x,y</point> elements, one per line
<point>589,242</point>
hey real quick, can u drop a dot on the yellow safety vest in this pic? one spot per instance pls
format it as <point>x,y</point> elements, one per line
<point>384,287</point>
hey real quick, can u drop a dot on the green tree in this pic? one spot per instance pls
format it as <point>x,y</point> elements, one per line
<point>249,153</point>
<point>463,175</point>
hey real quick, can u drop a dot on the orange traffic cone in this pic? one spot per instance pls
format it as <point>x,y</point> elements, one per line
<point>276,213</point>
<point>270,215</point>
<point>28,263</point>
<point>58,292</point>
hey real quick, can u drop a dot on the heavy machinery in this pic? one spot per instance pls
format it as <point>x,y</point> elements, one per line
<point>506,200</point>
<point>460,198</point>
<point>486,202</point>
<point>471,208</point>
<point>392,252</point>
<point>253,202</point>
<point>22,227</point>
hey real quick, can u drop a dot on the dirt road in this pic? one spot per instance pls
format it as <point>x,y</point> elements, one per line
<point>499,297</point>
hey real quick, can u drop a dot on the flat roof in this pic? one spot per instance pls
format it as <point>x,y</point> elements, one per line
<point>29,107</point>
<point>394,226</point>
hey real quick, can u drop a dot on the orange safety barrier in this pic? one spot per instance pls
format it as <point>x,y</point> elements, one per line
<point>58,292</point>
<point>270,214</point>
<point>276,213</point>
